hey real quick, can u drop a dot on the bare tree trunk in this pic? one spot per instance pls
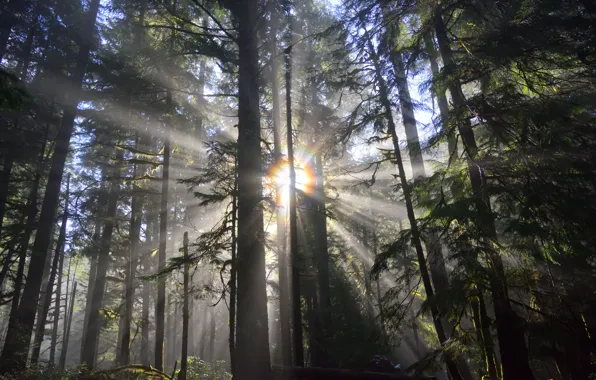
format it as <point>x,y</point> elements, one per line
<point>151,222</point>
<point>58,302</point>
<point>233,275</point>
<point>282,258</point>
<point>252,338</point>
<point>174,346</point>
<point>429,46</point>
<point>96,248</point>
<point>212,334</point>
<point>484,339</point>
<point>29,227</point>
<point>67,331</point>
<point>296,303</point>
<point>203,339</point>
<point>16,346</point>
<point>46,277</point>
<point>168,333</point>
<point>163,240</point>
<point>67,295</point>
<point>185,314</point>
<point>93,324</point>
<point>57,260</point>
<point>129,292</point>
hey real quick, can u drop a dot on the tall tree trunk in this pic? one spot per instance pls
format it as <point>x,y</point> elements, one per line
<point>282,257</point>
<point>46,276</point>
<point>296,303</point>
<point>203,339</point>
<point>168,333</point>
<point>416,237</point>
<point>482,325</point>
<point>163,240</point>
<point>67,298</point>
<point>14,354</point>
<point>56,317</point>
<point>131,265</point>
<point>431,52</point>
<point>59,253</point>
<point>103,260</point>
<point>150,239</point>
<point>185,314</point>
<point>200,137</point>
<point>96,248</point>
<point>233,276</point>
<point>510,331</point>
<point>174,346</point>
<point>252,338</point>
<point>67,331</point>
<point>29,227</point>
<point>212,334</point>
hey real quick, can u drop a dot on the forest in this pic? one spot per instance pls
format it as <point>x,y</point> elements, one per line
<point>298,189</point>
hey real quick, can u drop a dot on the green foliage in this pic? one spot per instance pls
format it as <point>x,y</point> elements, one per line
<point>13,95</point>
<point>200,369</point>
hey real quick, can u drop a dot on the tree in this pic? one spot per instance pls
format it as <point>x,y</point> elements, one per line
<point>252,338</point>
<point>89,353</point>
<point>15,348</point>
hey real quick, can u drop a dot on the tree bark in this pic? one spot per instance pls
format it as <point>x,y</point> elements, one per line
<point>168,352</point>
<point>14,354</point>
<point>103,260</point>
<point>185,315</point>
<point>482,326</point>
<point>96,248</point>
<point>174,346</point>
<point>295,284</point>
<point>252,338</point>
<point>29,227</point>
<point>233,278</point>
<point>510,331</point>
<point>67,298</point>
<point>150,238</point>
<point>57,261</point>
<point>163,240</point>
<point>56,317</point>
<point>212,326</point>
<point>282,258</point>
<point>68,325</point>
<point>431,52</point>
<point>135,233</point>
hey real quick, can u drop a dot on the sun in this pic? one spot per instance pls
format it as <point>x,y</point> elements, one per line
<point>279,175</point>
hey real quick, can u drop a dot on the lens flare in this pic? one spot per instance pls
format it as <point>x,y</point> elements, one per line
<point>279,175</point>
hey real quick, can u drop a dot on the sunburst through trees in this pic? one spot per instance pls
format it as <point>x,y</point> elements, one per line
<point>277,189</point>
